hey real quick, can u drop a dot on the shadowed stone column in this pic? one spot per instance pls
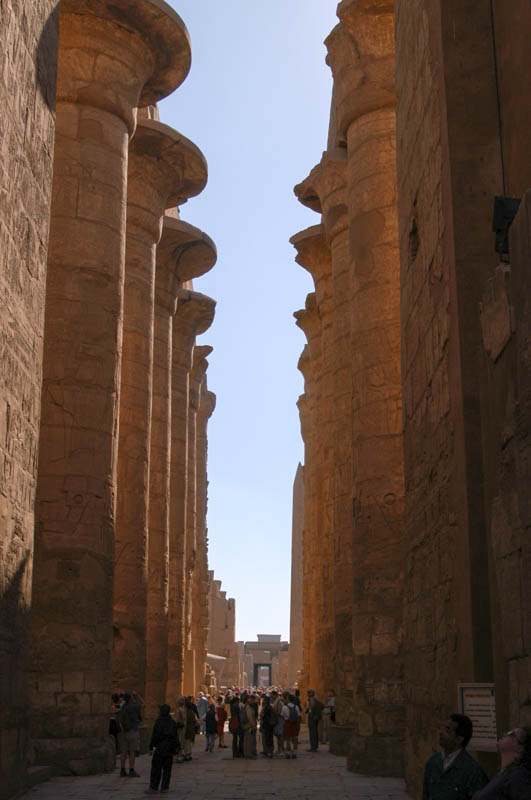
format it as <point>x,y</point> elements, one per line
<point>313,253</point>
<point>164,169</point>
<point>361,54</point>
<point>314,593</point>
<point>325,190</point>
<point>195,313</point>
<point>113,57</point>
<point>193,550</point>
<point>200,612</point>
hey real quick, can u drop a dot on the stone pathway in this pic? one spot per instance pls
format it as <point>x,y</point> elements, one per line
<point>312,776</point>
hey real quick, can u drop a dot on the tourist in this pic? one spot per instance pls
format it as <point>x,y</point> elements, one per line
<point>453,773</point>
<point>254,702</point>
<point>329,714</point>
<point>314,713</point>
<point>189,730</point>
<point>114,728</point>
<point>268,721</point>
<point>164,744</point>
<point>248,723</point>
<point>278,730</point>
<point>298,699</point>
<point>235,728</point>
<point>513,782</point>
<point>180,720</point>
<point>202,706</point>
<point>291,716</point>
<point>221,716</point>
<point>211,727</point>
<point>129,718</point>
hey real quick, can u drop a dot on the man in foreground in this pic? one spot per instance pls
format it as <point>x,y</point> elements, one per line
<point>452,774</point>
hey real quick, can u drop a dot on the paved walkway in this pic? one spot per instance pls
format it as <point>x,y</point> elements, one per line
<point>312,776</point>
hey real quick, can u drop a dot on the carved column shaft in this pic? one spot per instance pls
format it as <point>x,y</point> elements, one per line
<point>313,253</point>
<point>192,253</point>
<point>361,54</point>
<point>195,313</point>
<point>201,612</point>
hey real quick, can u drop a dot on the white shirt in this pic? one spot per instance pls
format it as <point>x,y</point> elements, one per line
<point>449,760</point>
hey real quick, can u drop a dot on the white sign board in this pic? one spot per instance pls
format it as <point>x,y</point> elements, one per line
<point>478,701</point>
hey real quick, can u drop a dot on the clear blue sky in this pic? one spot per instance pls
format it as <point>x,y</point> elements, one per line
<point>256,102</point>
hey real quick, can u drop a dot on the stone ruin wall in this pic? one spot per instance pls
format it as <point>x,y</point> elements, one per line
<point>105,319</point>
<point>221,640</point>
<point>27,99</point>
<point>410,255</point>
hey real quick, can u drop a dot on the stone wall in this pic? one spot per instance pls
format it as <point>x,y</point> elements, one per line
<point>221,639</point>
<point>28,36</point>
<point>506,415</point>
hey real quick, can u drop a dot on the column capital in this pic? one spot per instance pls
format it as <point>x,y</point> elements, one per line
<point>313,251</point>
<point>207,402</point>
<point>199,362</point>
<point>325,190</point>
<point>304,364</point>
<point>190,251</point>
<point>305,414</point>
<point>165,169</point>
<point>361,55</point>
<point>308,319</point>
<point>195,311</point>
<point>117,55</point>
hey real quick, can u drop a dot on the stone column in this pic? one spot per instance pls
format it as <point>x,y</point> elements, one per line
<point>164,168</point>
<point>316,588</point>
<point>113,57</point>
<point>200,611</point>
<point>192,677</point>
<point>313,253</point>
<point>365,119</point>
<point>296,661</point>
<point>325,190</point>
<point>195,313</point>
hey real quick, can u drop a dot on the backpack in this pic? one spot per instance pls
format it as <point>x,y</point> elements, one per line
<point>293,713</point>
<point>243,716</point>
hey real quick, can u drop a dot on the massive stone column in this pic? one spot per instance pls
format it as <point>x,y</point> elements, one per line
<point>325,191</point>
<point>295,660</point>
<point>309,407</point>
<point>200,611</point>
<point>164,169</point>
<point>28,41</point>
<point>193,552</point>
<point>113,57</point>
<point>361,55</point>
<point>313,253</point>
<point>195,313</point>
<point>192,253</point>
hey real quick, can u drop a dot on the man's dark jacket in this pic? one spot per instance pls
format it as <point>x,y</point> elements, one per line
<point>165,736</point>
<point>462,778</point>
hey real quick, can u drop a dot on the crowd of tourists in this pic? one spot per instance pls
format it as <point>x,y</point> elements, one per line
<point>270,720</point>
